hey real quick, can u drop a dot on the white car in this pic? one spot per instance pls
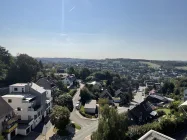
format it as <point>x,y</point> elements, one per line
<point>77,106</point>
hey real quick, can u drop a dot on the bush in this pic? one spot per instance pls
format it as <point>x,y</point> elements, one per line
<point>82,112</point>
<point>160,113</point>
<point>72,92</point>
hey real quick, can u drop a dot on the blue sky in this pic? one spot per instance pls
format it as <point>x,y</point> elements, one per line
<point>148,29</point>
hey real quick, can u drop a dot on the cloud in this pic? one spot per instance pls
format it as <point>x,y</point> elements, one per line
<point>72,9</point>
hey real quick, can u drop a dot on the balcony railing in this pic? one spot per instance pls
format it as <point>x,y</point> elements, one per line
<point>35,108</point>
<point>10,128</point>
<point>10,120</point>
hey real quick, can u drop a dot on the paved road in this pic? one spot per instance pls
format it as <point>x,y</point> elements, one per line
<point>138,98</point>
<point>87,126</point>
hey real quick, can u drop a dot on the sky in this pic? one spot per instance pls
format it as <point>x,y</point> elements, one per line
<point>95,29</point>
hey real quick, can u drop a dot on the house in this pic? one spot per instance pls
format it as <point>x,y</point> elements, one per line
<point>106,95</point>
<point>154,135</point>
<point>8,120</point>
<point>69,80</point>
<point>157,99</point>
<point>90,107</point>
<point>142,113</point>
<point>30,104</point>
<point>185,94</point>
<point>49,86</point>
<point>152,92</point>
<point>118,93</point>
<point>149,85</point>
<point>94,83</point>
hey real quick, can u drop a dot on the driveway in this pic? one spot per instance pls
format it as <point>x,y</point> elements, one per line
<point>138,98</point>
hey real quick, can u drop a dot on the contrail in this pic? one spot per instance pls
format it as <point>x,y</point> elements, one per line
<point>63,16</point>
<point>72,9</point>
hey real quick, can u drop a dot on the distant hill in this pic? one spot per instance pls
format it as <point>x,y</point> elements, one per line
<point>62,60</point>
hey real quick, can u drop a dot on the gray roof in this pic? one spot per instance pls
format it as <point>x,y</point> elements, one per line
<point>118,92</point>
<point>44,82</point>
<point>37,88</point>
<point>5,107</point>
<point>151,135</point>
<point>106,94</point>
<point>90,104</point>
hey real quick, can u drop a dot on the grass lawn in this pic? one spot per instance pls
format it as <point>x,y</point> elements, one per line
<point>167,111</point>
<point>152,65</point>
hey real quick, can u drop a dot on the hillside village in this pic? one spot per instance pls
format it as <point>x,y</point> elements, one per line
<point>72,99</point>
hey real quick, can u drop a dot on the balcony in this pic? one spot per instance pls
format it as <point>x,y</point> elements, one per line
<point>10,128</point>
<point>34,108</point>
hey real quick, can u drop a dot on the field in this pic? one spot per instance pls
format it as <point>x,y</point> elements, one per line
<point>152,65</point>
<point>182,68</point>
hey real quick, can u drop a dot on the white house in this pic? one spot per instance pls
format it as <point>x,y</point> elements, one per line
<point>90,107</point>
<point>69,80</point>
<point>185,95</point>
<point>154,135</point>
<point>30,104</point>
<point>8,120</point>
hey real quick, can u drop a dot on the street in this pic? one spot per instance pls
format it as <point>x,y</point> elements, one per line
<point>87,126</point>
<point>138,98</point>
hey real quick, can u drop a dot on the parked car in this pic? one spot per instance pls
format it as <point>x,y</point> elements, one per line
<point>77,106</point>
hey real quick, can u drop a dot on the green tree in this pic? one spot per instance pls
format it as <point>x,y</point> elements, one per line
<point>60,117</point>
<point>112,126</point>
<point>41,64</point>
<point>62,86</point>
<point>125,99</point>
<point>103,102</point>
<point>84,73</point>
<point>85,95</point>
<point>24,69</point>
<point>177,91</point>
<point>65,100</point>
<point>71,70</point>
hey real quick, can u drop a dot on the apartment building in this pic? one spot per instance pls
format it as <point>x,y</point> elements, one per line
<point>30,104</point>
<point>8,120</point>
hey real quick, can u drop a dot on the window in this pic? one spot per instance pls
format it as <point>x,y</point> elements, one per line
<point>18,109</point>
<point>9,100</point>
<point>22,90</point>
<point>15,89</point>
<point>35,117</point>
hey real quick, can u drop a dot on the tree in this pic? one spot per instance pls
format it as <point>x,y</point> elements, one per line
<point>62,86</point>
<point>24,69</point>
<point>125,99</point>
<point>177,91</point>
<point>85,95</point>
<point>41,64</point>
<point>84,73</point>
<point>71,70</point>
<point>103,102</point>
<point>112,126</point>
<point>65,100</point>
<point>60,117</point>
